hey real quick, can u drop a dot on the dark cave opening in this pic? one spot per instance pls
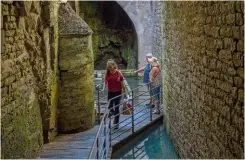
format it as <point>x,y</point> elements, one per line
<point>114,34</point>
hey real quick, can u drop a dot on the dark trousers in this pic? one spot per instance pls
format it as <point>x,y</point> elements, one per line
<point>114,102</point>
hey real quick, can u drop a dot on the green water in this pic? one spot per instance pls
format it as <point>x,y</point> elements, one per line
<point>152,144</point>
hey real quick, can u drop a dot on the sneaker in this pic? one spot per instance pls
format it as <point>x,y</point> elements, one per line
<point>152,105</point>
<point>156,112</point>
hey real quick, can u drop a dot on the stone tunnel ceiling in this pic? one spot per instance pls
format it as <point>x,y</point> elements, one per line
<point>114,35</point>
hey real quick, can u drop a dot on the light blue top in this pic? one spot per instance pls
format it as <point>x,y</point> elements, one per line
<point>146,78</point>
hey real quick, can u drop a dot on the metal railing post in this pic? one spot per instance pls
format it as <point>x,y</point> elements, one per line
<point>132,112</point>
<point>110,131</point>
<point>98,101</point>
<point>104,144</point>
<point>151,104</point>
<point>97,150</point>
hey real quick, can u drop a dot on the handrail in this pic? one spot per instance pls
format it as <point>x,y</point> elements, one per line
<point>106,129</point>
<point>96,137</point>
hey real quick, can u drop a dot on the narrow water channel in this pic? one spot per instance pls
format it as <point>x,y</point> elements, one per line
<point>152,144</point>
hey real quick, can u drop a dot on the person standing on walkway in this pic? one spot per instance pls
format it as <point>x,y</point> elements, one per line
<point>114,82</point>
<point>155,79</point>
<point>146,78</point>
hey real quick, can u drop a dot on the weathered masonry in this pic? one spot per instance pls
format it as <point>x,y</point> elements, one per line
<point>31,81</point>
<point>204,78</point>
<point>28,77</point>
<point>76,72</point>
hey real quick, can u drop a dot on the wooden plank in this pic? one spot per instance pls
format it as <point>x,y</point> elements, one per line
<point>78,145</point>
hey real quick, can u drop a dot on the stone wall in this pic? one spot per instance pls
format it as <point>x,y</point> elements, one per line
<point>76,98</point>
<point>203,78</point>
<point>28,77</point>
<point>157,33</point>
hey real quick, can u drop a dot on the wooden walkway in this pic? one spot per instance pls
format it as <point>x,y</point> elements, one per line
<point>70,146</point>
<point>77,146</point>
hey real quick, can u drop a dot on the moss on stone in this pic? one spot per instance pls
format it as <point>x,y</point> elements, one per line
<point>76,99</point>
<point>53,108</point>
<point>95,39</point>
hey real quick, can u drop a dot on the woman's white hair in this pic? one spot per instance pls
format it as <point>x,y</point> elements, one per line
<point>152,59</point>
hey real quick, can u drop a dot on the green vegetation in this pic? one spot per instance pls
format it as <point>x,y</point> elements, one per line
<point>88,11</point>
<point>127,55</point>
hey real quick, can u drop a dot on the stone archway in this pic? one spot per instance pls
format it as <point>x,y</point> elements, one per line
<point>114,35</point>
<point>140,14</point>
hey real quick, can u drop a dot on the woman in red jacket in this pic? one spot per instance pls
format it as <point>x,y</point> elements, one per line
<point>114,82</point>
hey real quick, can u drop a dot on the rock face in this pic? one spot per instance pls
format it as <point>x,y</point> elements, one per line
<point>28,77</point>
<point>114,35</point>
<point>116,45</point>
<point>76,98</point>
<point>203,78</point>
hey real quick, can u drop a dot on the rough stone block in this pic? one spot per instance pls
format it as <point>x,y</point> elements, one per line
<point>218,44</point>
<point>230,19</point>
<point>238,7</point>
<point>13,49</point>
<point>12,19</point>
<point>237,121</point>
<point>207,29</point>
<point>226,31</point>
<point>230,70</point>
<point>240,46</point>
<point>9,80</point>
<point>238,150</point>
<point>232,131</point>
<point>239,19</point>
<point>237,59</point>
<point>5,10</point>
<point>12,10</point>
<point>225,86</point>
<point>10,33</point>
<point>238,109</point>
<point>5,26</point>
<point>239,82</point>
<point>236,32</point>
<point>229,44</point>
<point>32,20</point>
<point>212,64</point>
<point>27,7</point>
<point>241,95</point>
<point>225,56</point>
<point>215,31</point>
<point>208,19</point>
<point>35,8</point>
<point>242,32</point>
<point>11,40</point>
